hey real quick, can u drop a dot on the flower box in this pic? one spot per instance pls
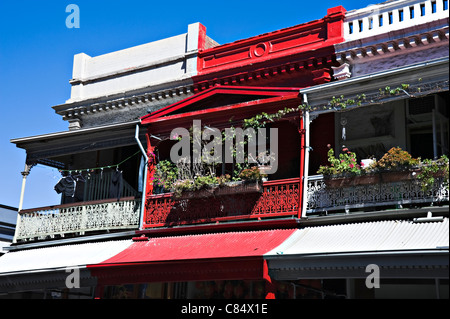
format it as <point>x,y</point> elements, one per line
<point>398,176</point>
<point>239,187</point>
<point>367,179</point>
<point>337,182</point>
<point>348,181</point>
<point>196,194</point>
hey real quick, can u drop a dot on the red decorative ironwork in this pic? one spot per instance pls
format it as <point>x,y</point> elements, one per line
<point>278,198</point>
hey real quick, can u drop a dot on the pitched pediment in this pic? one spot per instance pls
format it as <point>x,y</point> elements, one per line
<point>219,97</point>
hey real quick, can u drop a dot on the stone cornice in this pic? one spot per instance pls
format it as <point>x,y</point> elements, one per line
<point>247,76</point>
<point>367,48</point>
<point>138,99</point>
<point>430,76</point>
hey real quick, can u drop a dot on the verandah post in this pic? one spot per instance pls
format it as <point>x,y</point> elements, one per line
<point>302,131</point>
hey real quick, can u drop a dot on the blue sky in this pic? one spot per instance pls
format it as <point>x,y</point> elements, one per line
<point>37,49</point>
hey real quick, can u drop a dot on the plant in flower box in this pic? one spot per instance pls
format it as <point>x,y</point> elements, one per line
<point>204,182</point>
<point>434,170</point>
<point>200,187</point>
<point>252,174</point>
<point>397,165</point>
<point>341,169</point>
<point>248,181</point>
<point>180,186</point>
<point>252,179</point>
<point>165,175</point>
<point>397,159</point>
<point>223,180</point>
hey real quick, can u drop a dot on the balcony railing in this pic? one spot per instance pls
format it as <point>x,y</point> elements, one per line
<point>78,218</point>
<point>276,199</point>
<point>323,198</point>
<point>279,198</point>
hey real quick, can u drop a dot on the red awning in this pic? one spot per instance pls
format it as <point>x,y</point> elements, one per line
<point>231,255</point>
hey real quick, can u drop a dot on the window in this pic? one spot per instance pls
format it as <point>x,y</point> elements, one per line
<point>391,18</point>
<point>380,20</point>
<point>445,4</point>
<point>350,27</point>
<point>422,9</point>
<point>433,6</point>
<point>400,15</point>
<point>411,12</point>
<point>370,23</point>
<point>360,24</point>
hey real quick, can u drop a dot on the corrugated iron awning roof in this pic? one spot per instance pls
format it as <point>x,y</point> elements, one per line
<point>400,248</point>
<point>389,235</point>
<point>59,257</point>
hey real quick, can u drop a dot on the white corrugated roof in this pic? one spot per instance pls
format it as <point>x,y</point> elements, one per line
<point>58,257</point>
<point>389,235</point>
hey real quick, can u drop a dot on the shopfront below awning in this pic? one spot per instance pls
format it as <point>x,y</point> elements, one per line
<point>213,256</point>
<point>40,268</point>
<point>400,248</point>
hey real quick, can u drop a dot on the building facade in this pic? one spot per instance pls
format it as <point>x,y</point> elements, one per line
<point>8,218</point>
<point>341,109</point>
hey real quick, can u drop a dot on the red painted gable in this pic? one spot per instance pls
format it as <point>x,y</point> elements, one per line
<point>217,97</point>
<point>286,49</point>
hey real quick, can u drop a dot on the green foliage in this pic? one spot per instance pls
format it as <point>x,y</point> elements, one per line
<point>199,183</point>
<point>396,159</point>
<point>166,173</point>
<point>430,170</point>
<point>223,179</point>
<point>388,91</point>
<point>251,174</point>
<point>342,103</point>
<point>345,163</point>
<point>202,182</point>
<point>180,186</point>
<point>261,120</point>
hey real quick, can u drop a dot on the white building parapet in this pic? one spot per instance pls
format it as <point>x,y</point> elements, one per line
<point>392,15</point>
<point>134,68</point>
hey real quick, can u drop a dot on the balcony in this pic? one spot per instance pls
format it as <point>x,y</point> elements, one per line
<point>78,219</point>
<point>323,198</point>
<point>279,198</point>
<point>274,199</point>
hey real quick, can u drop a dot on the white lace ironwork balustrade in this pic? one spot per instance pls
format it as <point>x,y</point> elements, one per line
<point>322,198</point>
<point>78,219</point>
